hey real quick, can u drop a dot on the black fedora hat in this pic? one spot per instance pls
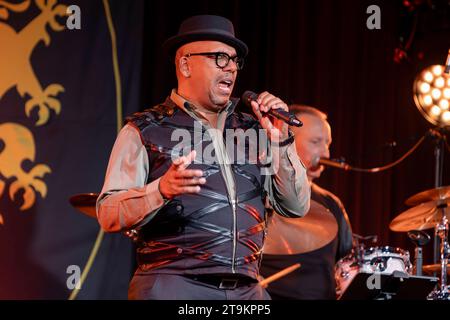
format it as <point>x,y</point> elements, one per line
<point>205,27</point>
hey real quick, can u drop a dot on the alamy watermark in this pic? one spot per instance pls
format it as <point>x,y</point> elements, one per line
<point>374,20</point>
<point>373,282</point>
<point>239,146</point>
<point>74,20</point>
<point>74,279</point>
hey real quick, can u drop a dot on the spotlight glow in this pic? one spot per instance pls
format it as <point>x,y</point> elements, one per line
<point>436,93</point>
<point>439,82</point>
<point>435,110</point>
<point>432,95</point>
<point>428,77</point>
<point>428,100</point>
<point>446,117</point>
<point>437,70</point>
<point>425,87</point>
<point>443,104</point>
<point>447,93</point>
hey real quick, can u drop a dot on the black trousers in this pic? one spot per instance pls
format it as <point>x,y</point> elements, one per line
<point>176,287</point>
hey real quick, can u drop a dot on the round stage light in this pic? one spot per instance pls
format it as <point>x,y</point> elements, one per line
<point>432,95</point>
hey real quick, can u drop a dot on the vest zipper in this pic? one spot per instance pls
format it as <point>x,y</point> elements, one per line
<point>233,262</point>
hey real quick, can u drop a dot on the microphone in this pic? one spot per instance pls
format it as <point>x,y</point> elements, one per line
<point>287,117</point>
<point>331,163</point>
<point>447,64</point>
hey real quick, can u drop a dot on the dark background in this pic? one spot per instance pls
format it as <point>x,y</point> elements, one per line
<point>322,54</point>
<point>314,52</point>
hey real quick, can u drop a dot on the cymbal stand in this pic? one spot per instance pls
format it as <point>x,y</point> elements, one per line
<point>420,239</point>
<point>359,247</point>
<point>441,231</point>
<point>438,134</point>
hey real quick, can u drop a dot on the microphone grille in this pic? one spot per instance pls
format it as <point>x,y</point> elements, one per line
<point>248,96</point>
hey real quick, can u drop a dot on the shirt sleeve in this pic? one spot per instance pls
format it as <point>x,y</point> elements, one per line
<point>288,188</point>
<point>126,201</point>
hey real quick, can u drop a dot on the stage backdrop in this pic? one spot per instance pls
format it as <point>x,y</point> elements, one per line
<point>59,98</point>
<point>58,120</point>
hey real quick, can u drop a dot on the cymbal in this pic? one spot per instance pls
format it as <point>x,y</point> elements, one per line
<point>429,195</point>
<point>85,202</point>
<point>424,216</point>
<point>299,235</point>
<point>429,269</point>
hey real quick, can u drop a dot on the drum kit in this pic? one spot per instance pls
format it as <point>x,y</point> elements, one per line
<point>318,228</point>
<point>430,210</point>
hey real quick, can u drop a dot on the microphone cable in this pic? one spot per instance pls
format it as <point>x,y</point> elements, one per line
<point>347,167</point>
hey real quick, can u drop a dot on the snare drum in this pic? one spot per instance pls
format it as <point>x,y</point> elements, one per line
<point>386,260</point>
<point>382,260</point>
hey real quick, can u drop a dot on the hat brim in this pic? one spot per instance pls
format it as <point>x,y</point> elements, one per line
<point>173,43</point>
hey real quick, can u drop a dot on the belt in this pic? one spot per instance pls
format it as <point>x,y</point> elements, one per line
<point>223,282</point>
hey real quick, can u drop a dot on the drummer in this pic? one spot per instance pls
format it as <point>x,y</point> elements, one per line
<point>315,278</point>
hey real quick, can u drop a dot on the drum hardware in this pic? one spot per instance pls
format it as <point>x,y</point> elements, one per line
<point>382,262</point>
<point>440,141</point>
<point>431,211</point>
<point>359,246</point>
<point>385,274</point>
<point>420,239</point>
<point>441,231</point>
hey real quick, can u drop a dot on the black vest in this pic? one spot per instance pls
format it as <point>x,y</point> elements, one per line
<point>201,233</point>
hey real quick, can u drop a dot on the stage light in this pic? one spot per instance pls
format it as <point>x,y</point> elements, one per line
<point>432,95</point>
<point>435,110</point>
<point>437,70</point>
<point>447,92</point>
<point>440,82</point>
<point>425,87</point>
<point>436,93</point>
<point>428,76</point>
<point>444,104</point>
<point>428,100</point>
<point>446,116</point>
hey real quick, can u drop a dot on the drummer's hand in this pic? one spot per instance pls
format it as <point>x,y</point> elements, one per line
<point>179,180</point>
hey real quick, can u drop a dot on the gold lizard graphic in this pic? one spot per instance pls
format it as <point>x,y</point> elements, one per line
<point>18,146</point>
<point>15,65</point>
<point>16,141</point>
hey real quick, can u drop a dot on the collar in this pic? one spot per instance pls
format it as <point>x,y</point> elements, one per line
<point>191,108</point>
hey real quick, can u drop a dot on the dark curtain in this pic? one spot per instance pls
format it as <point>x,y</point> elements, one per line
<point>313,52</point>
<point>321,53</point>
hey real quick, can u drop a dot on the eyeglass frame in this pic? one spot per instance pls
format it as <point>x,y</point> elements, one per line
<point>235,59</point>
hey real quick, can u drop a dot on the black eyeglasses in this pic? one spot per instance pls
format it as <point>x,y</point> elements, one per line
<point>222,58</point>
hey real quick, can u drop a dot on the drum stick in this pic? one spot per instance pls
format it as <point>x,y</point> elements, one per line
<point>264,283</point>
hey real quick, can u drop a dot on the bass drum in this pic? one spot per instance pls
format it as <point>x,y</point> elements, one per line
<point>382,260</point>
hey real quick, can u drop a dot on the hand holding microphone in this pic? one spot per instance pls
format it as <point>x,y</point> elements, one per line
<point>278,113</point>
